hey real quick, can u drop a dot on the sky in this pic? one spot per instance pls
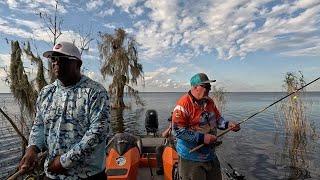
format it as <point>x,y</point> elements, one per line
<point>245,45</point>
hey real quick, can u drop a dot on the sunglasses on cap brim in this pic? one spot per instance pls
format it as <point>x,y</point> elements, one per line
<point>58,58</point>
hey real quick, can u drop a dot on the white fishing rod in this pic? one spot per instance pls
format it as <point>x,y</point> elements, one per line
<point>263,109</point>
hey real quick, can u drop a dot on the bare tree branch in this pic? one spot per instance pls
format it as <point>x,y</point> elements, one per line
<point>53,24</point>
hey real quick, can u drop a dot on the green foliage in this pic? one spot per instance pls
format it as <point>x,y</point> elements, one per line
<point>294,107</point>
<point>120,60</point>
<point>22,89</point>
<point>40,79</point>
<point>219,97</point>
<point>20,86</point>
<point>293,119</point>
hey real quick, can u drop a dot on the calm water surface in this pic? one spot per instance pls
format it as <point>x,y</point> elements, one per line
<point>259,151</point>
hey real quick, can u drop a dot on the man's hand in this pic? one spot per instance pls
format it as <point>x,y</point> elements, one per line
<point>56,167</point>
<point>209,139</point>
<point>166,132</point>
<point>234,126</point>
<point>29,160</point>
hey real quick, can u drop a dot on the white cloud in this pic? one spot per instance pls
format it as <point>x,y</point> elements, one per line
<point>32,6</point>
<point>32,25</point>
<point>306,3</point>
<point>90,57</point>
<point>94,4</point>
<point>4,63</point>
<point>183,57</point>
<point>34,29</point>
<point>187,22</point>
<point>162,79</point>
<point>2,21</point>
<point>2,74</point>
<point>164,13</point>
<point>96,76</point>
<point>137,10</point>
<point>311,51</point>
<point>4,88</point>
<point>5,60</point>
<point>154,42</point>
<point>230,28</point>
<point>107,12</point>
<point>129,30</point>
<point>125,4</point>
<point>110,26</point>
<point>9,30</point>
<point>92,75</point>
<point>12,3</point>
<point>160,72</point>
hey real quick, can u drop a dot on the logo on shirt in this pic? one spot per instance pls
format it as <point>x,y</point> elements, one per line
<point>58,46</point>
<point>178,114</point>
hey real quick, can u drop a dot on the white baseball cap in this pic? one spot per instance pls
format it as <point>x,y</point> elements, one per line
<point>66,48</point>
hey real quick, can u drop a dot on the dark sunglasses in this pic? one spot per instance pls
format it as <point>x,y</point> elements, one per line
<point>61,58</point>
<point>206,86</point>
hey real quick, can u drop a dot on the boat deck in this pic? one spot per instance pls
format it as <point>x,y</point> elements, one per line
<point>145,174</point>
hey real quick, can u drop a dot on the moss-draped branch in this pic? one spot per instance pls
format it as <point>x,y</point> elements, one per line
<point>120,60</point>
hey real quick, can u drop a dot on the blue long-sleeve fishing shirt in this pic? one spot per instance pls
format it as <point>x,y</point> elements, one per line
<point>73,122</point>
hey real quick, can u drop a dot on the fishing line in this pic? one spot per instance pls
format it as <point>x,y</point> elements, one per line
<point>258,112</point>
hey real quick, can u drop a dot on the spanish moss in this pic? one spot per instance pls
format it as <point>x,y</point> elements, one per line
<point>120,60</point>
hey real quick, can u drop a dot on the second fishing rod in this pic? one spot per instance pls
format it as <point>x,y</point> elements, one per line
<point>258,112</point>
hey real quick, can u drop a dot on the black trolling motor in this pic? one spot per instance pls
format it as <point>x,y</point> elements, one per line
<point>151,122</point>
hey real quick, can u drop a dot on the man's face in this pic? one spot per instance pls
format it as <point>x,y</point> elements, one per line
<point>62,66</point>
<point>204,89</point>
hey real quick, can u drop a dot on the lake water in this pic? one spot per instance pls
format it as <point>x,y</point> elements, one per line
<point>260,150</point>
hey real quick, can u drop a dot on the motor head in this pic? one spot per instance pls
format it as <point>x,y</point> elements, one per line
<point>151,121</point>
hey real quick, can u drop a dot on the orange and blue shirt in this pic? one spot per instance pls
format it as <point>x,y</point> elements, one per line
<point>191,120</point>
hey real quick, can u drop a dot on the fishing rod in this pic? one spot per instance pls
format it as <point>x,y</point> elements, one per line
<point>23,170</point>
<point>263,109</point>
<point>24,140</point>
<point>17,174</point>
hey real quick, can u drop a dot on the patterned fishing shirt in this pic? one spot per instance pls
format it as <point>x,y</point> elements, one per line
<point>73,122</point>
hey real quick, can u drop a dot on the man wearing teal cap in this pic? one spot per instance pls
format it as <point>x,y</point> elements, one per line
<point>195,122</point>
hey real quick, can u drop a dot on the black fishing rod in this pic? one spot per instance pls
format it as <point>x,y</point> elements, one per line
<point>24,140</point>
<point>263,109</point>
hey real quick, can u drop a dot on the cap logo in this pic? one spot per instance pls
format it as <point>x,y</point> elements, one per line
<point>58,46</point>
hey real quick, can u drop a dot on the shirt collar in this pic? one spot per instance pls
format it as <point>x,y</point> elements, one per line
<point>59,83</point>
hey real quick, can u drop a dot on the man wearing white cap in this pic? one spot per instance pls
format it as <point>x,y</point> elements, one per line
<point>72,119</point>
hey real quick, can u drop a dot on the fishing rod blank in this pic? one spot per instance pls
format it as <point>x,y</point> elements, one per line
<point>263,109</point>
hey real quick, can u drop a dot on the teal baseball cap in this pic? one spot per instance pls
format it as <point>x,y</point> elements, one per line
<point>200,78</point>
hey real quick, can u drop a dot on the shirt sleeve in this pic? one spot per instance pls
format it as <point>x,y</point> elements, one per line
<point>180,118</point>
<point>36,136</point>
<point>94,136</point>
<point>222,124</point>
